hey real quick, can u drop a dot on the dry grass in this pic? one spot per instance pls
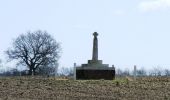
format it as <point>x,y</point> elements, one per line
<point>38,88</point>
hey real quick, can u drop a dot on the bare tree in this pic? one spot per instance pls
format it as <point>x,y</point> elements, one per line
<point>167,72</point>
<point>34,50</point>
<point>119,72</point>
<point>126,72</point>
<point>65,71</point>
<point>49,70</point>
<point>156,71</point>
<point>141,72</point>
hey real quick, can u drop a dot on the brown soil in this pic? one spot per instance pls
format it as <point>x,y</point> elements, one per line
<point>38,88</point>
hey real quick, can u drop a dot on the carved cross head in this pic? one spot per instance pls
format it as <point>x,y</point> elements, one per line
<point>95,34</point>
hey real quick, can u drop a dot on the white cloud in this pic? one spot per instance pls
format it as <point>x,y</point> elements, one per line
<point>154,5</point>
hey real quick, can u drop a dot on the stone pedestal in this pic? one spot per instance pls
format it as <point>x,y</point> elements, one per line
<point>95,73</point>
<point>95,69</point>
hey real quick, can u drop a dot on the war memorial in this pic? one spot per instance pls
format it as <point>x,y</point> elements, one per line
<point>95,69</point>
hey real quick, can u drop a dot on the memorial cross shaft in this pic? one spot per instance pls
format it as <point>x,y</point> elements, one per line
<point>95,47</point>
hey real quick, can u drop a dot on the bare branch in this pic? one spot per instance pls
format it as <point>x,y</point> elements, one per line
<point>35,49</point>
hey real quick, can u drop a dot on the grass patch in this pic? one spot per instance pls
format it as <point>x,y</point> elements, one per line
<point>121,80</point>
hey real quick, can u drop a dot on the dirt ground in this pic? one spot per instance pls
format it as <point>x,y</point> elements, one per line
<point>39,88</point>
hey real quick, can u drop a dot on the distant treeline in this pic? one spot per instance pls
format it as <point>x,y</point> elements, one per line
<point>65,71</point>
<point>156,71</point>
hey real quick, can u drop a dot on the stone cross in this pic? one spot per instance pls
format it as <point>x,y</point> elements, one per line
<point>95,47</point>
<point>134,73</point>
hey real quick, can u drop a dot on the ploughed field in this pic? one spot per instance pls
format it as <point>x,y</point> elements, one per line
<point>38,88</point>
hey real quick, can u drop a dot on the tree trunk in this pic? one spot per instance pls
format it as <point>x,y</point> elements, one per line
<point>33,72</point>
<point>32,69</point>
<point>30,72</point>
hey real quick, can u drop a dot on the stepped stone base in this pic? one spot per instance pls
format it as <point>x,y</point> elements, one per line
<point>89,74</point>
<point>95,70</point>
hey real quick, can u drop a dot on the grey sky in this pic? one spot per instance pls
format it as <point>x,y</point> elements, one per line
<point>131,32</point>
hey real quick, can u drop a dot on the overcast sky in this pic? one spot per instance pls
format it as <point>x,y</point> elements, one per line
<point>131,32</point>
